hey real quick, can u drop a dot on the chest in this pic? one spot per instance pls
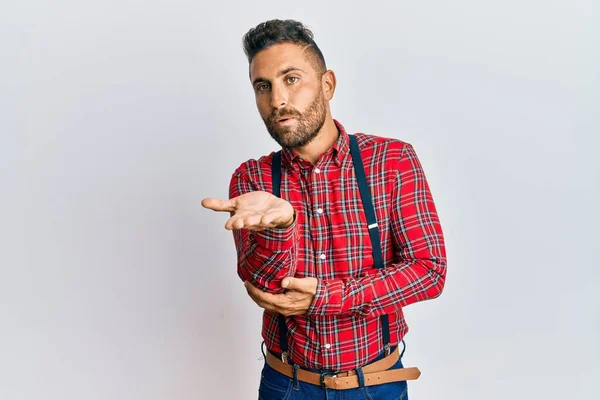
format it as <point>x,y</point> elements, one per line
<point>334,236</point>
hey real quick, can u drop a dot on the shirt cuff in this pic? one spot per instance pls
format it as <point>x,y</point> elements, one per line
<point>328,300</point>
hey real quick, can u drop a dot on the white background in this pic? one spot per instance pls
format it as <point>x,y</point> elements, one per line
<point>118,117</point>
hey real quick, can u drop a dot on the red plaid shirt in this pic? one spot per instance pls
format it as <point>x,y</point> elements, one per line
<point>330,241</point>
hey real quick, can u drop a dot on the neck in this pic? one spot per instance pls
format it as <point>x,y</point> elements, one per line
<point>327,136</point>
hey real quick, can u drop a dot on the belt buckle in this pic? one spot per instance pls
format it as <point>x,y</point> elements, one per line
<point>325,374</point>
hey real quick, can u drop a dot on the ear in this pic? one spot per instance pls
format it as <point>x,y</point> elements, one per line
<point>328,82</point>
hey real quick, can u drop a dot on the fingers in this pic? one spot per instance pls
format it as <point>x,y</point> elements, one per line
<point>254,222</point>
<point>251,222</point>
<point>218,204</point>
<point>287,304</point>
<point>268,219</point>
<point>263,299</point>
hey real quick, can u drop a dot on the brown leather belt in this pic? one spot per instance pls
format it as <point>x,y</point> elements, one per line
<point>375,373</point>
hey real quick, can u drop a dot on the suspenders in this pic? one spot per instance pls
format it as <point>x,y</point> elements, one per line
<point>365,195</point>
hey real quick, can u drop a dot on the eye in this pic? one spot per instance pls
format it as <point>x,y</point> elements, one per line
<point>292,79</point>
<point>263,87</point>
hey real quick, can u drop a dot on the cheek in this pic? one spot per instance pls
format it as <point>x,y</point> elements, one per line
<point>302,98</point>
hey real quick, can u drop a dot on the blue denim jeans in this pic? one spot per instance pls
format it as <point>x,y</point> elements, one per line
<point>276,386</point>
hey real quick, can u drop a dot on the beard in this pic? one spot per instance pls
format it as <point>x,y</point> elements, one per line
<point>307,127</point>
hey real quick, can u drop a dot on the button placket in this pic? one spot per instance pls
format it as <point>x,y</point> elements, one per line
<point>317,171</point>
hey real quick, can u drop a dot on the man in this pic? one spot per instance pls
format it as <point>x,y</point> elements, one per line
<point>334,234</point>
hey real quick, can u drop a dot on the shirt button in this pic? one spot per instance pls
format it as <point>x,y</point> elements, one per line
<point>322,256</point>
<point>327,346</point>
<point>317,170</point>
<point>320,210</point>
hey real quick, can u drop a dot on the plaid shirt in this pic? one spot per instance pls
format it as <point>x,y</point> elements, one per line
<point>329,240</point>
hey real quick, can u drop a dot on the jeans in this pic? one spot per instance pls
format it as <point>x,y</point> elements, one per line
<point>276,386</point>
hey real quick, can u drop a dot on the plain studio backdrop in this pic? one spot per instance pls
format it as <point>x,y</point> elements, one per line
<point>118,117</point>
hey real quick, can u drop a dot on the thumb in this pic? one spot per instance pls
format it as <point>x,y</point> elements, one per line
<point>219,204</point>
<point>289,283</point>
<point>298,284</point>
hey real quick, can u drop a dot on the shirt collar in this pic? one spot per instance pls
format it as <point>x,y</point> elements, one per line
<point>338,151</point>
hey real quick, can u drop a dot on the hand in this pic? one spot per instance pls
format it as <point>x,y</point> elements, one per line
<point>254,211</point>
<point>295,301</point>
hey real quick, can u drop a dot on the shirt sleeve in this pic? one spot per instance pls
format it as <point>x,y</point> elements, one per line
<point>420,271</point>
<point>264,257</point>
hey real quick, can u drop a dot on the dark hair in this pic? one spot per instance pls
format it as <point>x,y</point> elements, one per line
<point>278,31</point>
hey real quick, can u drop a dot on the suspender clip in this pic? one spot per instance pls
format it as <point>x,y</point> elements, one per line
<point>387,349</point>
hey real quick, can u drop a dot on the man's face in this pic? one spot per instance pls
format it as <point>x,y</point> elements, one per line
<point>289,94</point>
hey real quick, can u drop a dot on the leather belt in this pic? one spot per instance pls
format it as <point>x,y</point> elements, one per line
<point>376,373</point>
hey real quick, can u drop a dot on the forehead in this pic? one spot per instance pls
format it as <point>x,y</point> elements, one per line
<point>268,62</point>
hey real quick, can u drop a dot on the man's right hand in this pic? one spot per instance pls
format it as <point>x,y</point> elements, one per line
<point>254,211</point>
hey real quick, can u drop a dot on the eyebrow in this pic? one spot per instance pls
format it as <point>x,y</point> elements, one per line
<point>280,73</point>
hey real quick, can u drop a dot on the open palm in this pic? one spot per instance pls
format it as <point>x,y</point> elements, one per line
<point>254,211</point>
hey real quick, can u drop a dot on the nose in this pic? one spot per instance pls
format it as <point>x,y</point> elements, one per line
<point>279,96</point>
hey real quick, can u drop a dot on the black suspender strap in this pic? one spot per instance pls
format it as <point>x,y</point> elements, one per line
<point>276,172</point>
<point>276,179</point>
<point>365,195</point>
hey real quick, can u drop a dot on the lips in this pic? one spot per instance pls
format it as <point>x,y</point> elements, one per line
<point>284,120</point>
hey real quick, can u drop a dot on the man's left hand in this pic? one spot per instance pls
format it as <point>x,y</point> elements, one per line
<point>294,301</point>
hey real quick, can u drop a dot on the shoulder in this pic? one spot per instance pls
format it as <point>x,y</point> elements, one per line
<point>255,170</point>
<point>376,148</point>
